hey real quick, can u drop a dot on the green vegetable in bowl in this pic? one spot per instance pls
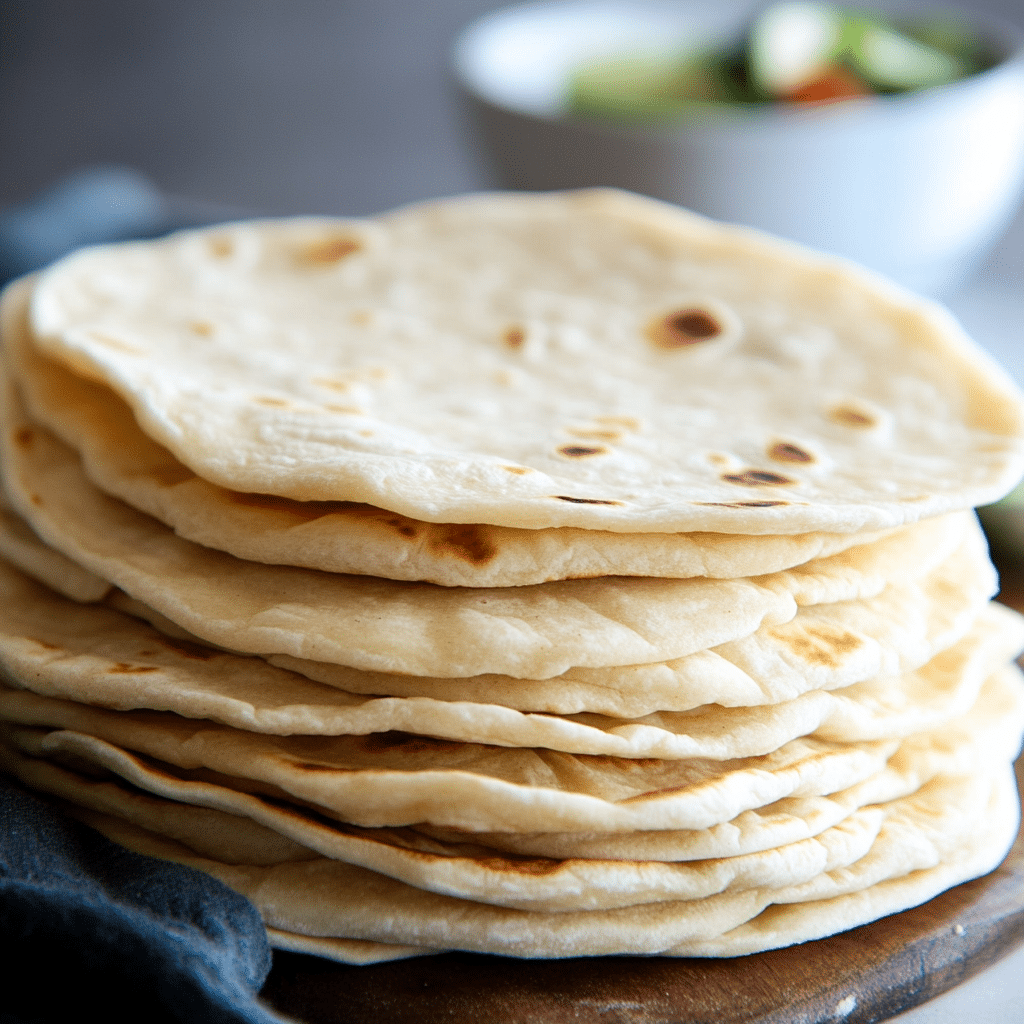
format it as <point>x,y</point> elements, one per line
<point>792,52</point>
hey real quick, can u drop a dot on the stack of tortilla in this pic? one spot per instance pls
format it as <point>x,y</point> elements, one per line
<point>546,575</point>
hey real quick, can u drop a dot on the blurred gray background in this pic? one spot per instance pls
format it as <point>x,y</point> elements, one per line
<point>269,106</point>
<point>274,106</point>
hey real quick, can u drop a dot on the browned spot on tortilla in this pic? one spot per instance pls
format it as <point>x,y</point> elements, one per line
<point>520,865</point>
<point>518,470</point>
<point>758,478</point>
<point>595,433</point>
<point>360,317</point>
<point>629,422</point>
<point>741,504</point>
<point>44,644</point>
<point>267,400</point>
<point>581,451</point>
<point>36,500</point>
<point>187,648</point>
<point>115,343</point>
<point>333,384</point>
<point>407,531</point>
<point>221,247</point>
<point>366,433</point>
<point>683,328</point>
<point>380,742</point>
<point>24,437</point>
<point>515,337</point>
<point>347,410</point>
<point>124,668</point>
<point>332,250</point>
<point>202,328</point>
<point>466,542</point>
<point>585,501</point>
<point>848,416</point>
<point>785,451</point>
<point>717,459</point>
<point>819,645</point>
<point>377,373</point>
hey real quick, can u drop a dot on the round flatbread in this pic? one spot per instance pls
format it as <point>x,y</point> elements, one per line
<point>418,628</point>
<point>588,359</point>
<point>351,537</point>
<point>394,779</point>
<point>96,656</point>
<point>947,833</point>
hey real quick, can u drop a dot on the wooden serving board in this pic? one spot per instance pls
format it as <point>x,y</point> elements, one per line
<point>865,975</point>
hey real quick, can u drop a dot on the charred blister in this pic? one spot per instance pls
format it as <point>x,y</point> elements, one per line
<point>581,451</point>
<point>786,451</point>
<point>742,504</point>
<point>694,325</point>
<point>585,501</point>
<point>466,542</point>
<point>759,478</point>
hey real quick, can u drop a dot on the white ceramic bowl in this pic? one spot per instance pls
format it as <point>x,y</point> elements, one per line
<point>917,186</point>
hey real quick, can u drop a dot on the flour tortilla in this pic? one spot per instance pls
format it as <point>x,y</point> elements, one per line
<point>417,628</point>
<point>395,779</point>
<point>345,951</point>
<point>20,546</point>
<point>821,647</point>
<point>349,537</point>
<point>242,828</point>
<point>95,656</point>
<point>917,761</point>
<point>463,871</point>
<point>511,359</point>
<point>262,839</point>
<point>940,839</point>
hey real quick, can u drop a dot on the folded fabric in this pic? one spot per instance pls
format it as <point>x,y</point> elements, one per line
<point>88,924</point>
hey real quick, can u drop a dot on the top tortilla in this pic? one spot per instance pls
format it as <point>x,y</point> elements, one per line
<point>346,536</point>
<point>586,359</point>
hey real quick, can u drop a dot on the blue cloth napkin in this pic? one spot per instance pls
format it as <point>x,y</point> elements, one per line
<point>88,925</point>
<point>90,206</point>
